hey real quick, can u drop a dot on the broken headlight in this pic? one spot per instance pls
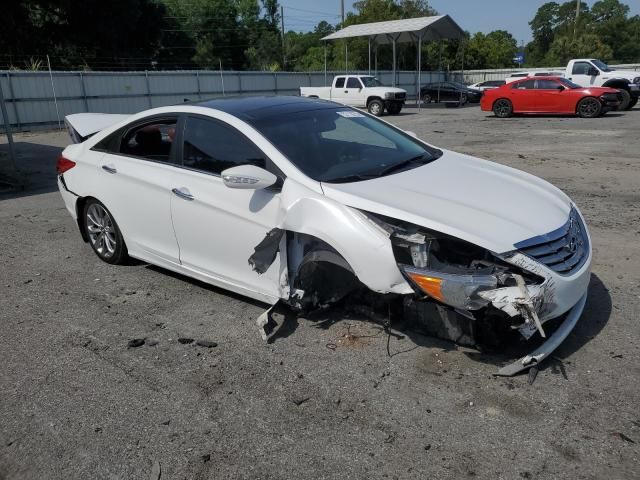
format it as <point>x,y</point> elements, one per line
<point>445,268</point>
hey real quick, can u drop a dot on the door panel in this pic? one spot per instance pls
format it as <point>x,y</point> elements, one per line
<point>523,96</point>
<point>137,193</point>
<point>219,227</point>
<point>353,92</point>
<point>133,183</point>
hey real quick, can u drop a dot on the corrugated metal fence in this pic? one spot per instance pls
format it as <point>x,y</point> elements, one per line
<point>31,102</point>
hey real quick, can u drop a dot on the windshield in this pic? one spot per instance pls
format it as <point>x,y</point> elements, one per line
<point>339,145</point>
<point>371,82</point>
<point>568,83</point>
<point>601,65</point>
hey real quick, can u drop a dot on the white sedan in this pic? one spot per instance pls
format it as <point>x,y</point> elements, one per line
<point>302,201</point>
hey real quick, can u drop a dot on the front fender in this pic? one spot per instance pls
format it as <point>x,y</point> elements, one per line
<point>363,245</point>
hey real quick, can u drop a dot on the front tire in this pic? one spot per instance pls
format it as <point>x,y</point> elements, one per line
<point>626,100</point>
<point>376,107</point>
<point>394,108</point>
<point>503,108</point>
<point>633,103</point>
<point>426,98</point>
<point>103,233</point>
<point>589,107</point>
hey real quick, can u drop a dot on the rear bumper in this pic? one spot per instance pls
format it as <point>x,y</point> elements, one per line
<point>68,197</point>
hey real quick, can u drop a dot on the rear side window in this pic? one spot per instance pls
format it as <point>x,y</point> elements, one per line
<point>211,146</point>
<point>152,141</point>
<point>339,82</point>
<point>526,85</point>
<point>353,82</point>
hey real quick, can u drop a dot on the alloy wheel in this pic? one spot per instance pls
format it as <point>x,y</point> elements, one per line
<point>502,108</point>
<point>589,107</point>
<point>101,231</point>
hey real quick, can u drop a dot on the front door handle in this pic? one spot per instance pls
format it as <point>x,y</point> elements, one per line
<point>182,193</point>
<point>109,169</point>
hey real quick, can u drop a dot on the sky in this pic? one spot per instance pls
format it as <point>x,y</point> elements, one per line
<point>472,15</point>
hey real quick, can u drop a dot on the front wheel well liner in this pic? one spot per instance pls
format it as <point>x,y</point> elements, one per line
<point>617,83</point>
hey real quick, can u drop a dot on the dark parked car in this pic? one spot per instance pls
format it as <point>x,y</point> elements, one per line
<point>448,92</point>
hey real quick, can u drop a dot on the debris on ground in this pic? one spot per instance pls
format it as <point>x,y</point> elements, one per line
<point>622,436</point>
<point>206,343</point>
<point>155,471</point>
<point>152,342</point>
<point>185,340</point>
<point>136,342</point>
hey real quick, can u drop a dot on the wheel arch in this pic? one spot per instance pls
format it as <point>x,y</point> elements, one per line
<point>373,97</point>
<point>584,98</point>
<point>618,83</point>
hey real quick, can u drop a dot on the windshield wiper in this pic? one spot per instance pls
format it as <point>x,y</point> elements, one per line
<point>350,178</point>
<point>406,163</point>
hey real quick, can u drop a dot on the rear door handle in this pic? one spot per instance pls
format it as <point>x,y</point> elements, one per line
<point>182,193</point>
<point>109,169</point>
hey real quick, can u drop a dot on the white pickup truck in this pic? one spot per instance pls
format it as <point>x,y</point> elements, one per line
<point>590,72</point>
<point>362,91</point>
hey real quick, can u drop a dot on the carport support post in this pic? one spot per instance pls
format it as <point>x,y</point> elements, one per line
<point>369,55</point>
<point>418,100</point>
<point>346,56</point>
<point>325,63</point>
<point>393,84</point>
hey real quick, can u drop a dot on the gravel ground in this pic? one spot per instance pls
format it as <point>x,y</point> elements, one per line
<point>77,402</point>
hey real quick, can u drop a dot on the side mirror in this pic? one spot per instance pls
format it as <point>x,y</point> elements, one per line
<point>560,88</point>
<point>411,134</point>
<point>248,177</point>
<point>593,72</point>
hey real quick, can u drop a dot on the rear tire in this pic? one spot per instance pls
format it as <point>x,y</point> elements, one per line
<point>626,100</point>
<point>633,103</point>
<point>376,107</point>
<point>103,233</point>
<point>426,98</point>
<point>589,107</point>
<point>503,108</point>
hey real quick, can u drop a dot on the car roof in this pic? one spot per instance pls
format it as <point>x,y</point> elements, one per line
<point>256,108</point>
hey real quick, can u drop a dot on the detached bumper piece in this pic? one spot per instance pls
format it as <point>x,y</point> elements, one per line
<point>544,350</point>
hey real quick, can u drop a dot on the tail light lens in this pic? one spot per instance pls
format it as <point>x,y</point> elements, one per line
<point>64,164</point>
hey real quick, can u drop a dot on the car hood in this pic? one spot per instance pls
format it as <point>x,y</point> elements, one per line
<point>386,89</point>
<point>628,74</point>
<point>597,90</point>
<point>482,202</point>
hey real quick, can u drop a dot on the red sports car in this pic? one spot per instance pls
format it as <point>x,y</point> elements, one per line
<point>549,95</point>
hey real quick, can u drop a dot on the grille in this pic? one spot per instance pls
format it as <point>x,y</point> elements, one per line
<point>400,96</point>
<point>563,250</point>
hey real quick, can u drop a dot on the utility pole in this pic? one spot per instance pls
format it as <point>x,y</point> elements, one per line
<point>575,24</point>
<point>284,53</point>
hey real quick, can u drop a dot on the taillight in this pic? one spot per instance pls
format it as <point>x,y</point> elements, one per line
<point>64,164</point>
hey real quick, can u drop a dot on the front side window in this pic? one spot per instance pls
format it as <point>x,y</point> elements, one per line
<point>547,85</point>
<point>581,68</point>
<point>211,146</point>
<point>339,145</point>
<point>151,141</point>
<point>339,82</point>
<point>353,82</point>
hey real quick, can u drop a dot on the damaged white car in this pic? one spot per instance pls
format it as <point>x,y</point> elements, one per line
<point>302,201</point>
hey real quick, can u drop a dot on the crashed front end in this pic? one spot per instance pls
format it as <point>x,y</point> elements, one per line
<point>472,296</point>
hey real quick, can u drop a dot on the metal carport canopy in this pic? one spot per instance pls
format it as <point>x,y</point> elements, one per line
<point>401,31</point>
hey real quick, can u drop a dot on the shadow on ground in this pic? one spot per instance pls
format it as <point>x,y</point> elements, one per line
<point>36,170</point>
